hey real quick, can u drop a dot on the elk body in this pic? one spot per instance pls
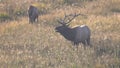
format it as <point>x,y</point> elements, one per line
<point>79,34</point>
<point>33,14</point>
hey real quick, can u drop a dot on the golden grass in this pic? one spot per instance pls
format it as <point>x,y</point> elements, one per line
<point>11,25</point>
<point>39,46</point>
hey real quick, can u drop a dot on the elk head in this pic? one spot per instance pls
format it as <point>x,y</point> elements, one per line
<point>64,29</point>
<point>65,22</point>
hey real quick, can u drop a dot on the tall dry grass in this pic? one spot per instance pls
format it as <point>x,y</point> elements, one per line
<point>24,45</point>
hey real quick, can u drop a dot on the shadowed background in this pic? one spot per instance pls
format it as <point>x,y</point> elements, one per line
<point>24,45</point>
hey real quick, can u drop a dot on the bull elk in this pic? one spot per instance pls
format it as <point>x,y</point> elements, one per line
<point>78,34</point>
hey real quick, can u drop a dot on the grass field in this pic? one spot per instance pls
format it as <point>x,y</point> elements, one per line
<point>24,45</point>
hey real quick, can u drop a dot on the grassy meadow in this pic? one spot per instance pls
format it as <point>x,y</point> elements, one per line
<point>24,45</point>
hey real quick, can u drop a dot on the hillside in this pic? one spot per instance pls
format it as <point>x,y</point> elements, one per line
<point>24,45</point>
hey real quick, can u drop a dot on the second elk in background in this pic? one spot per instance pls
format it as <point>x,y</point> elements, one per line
<point>33,14</point>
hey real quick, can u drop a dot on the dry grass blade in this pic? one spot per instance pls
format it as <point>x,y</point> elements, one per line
<point>24,45</point>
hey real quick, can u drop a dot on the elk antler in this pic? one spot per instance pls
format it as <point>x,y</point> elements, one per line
<point>62,21</point>
<point>70,17</point>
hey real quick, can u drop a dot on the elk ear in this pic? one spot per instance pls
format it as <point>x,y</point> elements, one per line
<point>68,24</point>
<point>60,21</point>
